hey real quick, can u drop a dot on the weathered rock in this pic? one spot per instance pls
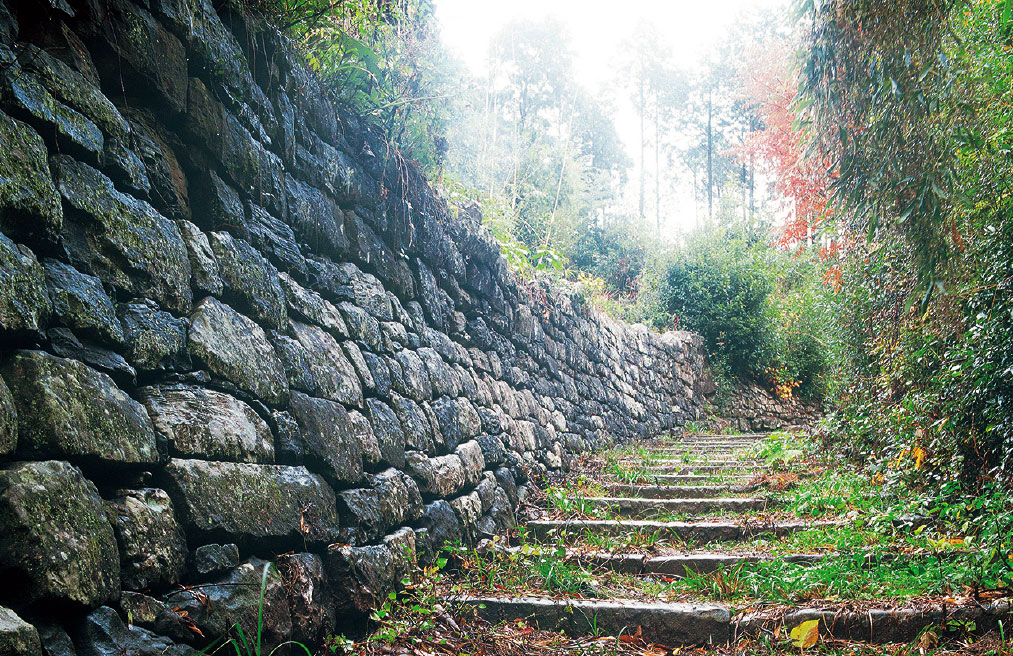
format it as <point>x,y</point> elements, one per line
<point>250,280</point>
<point>367,438</point>
<point>471,457</point>
<point>392,500</point>
<point>80,302</point>
<point>29,205</point>
<point>155,339</point>
<point>203,423</point>
<point>24,96</point>
<point>493,450</point>
<point>215,558</point>
<point>56,540</point>
<point>288,442</point>
<point>329,438</point>
<point>206,274</point>
<point>414,380</point>
<point>126,243</point>
<point>8,421</point>
<point>370,573</point>
<point>333,374</point>
<point>379,373</point>
<point>55,640</point>
<point>17,637</point>
<point>244,159</point>
<point>103,633</point>
<point>361,326</point>
<point>152,546</point>
<point>69,410</point>
<point>24,305</point>
<point>275,239</point>
<point>217,206</point>
<point>354,355</point>
<point>236,348</point>
<point>437,477</point>
<point>235,598</point>
<point>312,307</point>
<point>310,597</point>
<point>254,504</point>
<point>388,432</point>
<point>151,142</point>
<point>417,429</point>
<point>458,420</point>
<point>62,342</point>
<point>314,218</point>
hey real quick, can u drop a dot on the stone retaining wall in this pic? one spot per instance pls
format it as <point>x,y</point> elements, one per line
<point>235,328</point>
<point>752,407</point>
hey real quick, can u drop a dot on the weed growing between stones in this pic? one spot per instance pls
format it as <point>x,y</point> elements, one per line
<point>236,640</point>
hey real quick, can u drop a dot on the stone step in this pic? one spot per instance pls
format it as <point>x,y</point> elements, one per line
<point>668,624</point>
<point>678,479</point>
<point>880,625</point>
<point>680,565</point>
<point>705,469</point>
<point>636,507</point>
<point>700,532</point>
<point>668,491</point>
<point>710,462</point>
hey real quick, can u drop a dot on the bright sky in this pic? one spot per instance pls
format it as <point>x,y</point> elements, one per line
<point>596,28</point>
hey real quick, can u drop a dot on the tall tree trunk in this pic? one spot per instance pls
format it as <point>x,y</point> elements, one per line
<point>657,163</point>
<point>710,164</point>
<point>642,109</point>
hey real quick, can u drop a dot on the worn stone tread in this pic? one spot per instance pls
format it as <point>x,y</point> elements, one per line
<point>723,531</point>
<point>669,624</point>
<point>669,491</point>
<point>652,507</point>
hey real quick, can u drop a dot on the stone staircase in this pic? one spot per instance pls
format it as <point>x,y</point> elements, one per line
<point>696,478</point>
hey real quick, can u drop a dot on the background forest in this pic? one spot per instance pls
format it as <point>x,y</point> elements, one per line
<point>850,165</point>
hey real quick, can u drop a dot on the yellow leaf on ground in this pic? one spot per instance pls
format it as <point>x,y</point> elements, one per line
<point>806,634</point>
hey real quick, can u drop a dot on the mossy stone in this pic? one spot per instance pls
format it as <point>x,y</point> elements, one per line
<point>29,205</point>
<point>68,410</point>
<point>17,637</point>
<point>128,244</point>
<point>24,304</point>
<point>57,541</point>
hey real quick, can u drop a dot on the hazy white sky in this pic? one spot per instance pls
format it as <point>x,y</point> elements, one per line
<point>595,30</point>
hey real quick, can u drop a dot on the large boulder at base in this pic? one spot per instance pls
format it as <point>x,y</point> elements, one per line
<point>24,304</point>
<point>57,546</point>
<point>235,599</point>
<point>252,504</point>
<point>17,637</point>
<point>68,410</point>
<point>235,348</point>
<point>29,205</point>
<point>126,242</point>
<point>152,547</point>
<point>203,423</point>
<point>310,598</point>
<point>103,633</point>
<point>369,574</point>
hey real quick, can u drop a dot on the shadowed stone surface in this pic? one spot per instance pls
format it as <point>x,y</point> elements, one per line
<point>24,303</point>
<point>152,546</point>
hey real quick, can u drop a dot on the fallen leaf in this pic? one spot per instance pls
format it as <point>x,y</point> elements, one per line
<point>806,634</point>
